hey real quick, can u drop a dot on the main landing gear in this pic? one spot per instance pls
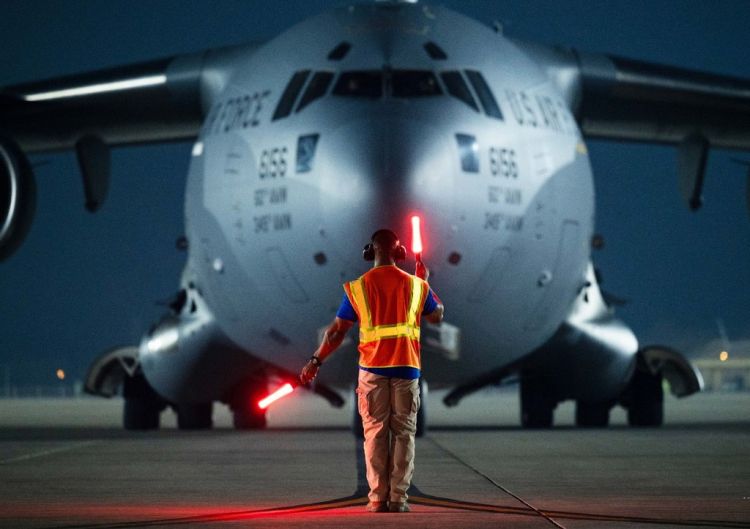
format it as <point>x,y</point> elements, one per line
<point>537,405</point>
<point>195,416</point>
<point>243,402</point>
<point>143,405</point>
<point>644,398</point>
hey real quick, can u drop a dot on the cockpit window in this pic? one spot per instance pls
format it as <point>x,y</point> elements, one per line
<point>485,94</point>
<point>366,83</point>
<point>292,90</point>
<point>414,83</point>
<point>305,87</point>
<point>401,83</point>
<point>457,87</point>
<point>435,51</point>
<point>316,88</point>
<point>339,52</point>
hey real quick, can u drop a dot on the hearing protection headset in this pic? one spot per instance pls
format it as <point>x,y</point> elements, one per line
<point>398,253</point>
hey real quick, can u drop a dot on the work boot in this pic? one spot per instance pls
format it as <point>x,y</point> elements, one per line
<point>397,506</point>
<point>377,506</point>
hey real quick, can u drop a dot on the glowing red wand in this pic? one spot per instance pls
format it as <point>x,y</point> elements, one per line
<point>416,246</point>
<point>283,391</point>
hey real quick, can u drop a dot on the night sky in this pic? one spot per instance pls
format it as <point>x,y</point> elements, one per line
<point>82,283</point>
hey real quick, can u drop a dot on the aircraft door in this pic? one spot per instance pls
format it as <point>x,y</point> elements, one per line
<point>555,283</point>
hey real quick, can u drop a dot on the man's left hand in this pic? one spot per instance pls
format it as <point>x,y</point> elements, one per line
<point>422,272</point>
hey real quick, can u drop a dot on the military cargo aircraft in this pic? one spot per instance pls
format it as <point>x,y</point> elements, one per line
<point>357,119</point>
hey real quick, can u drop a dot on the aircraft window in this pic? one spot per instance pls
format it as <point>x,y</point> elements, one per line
<point>414,83</point>
<point>316,88</point>
<point>435,51</point>
<point>468,151</point>
<point>458,88</point>
<point>485,94</point>
<point>339,52</point>
<point>360,84</point>
<point>306,146</point>
<point>292,90</point>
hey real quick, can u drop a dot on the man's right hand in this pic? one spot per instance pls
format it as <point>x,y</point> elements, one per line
<point>309,372</point>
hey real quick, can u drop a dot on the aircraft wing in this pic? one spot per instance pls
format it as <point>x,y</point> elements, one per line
<point>156,101</point>
<point>623,99</point>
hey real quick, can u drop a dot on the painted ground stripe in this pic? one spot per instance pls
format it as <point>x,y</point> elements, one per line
<point>42,453</point>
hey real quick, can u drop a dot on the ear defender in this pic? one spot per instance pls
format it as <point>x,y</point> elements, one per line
<point>399,253</point>
<point>368,252</point>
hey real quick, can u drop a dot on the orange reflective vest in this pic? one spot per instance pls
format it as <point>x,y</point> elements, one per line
<point>389,304</point>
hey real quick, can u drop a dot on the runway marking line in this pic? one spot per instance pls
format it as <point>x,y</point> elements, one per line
<point>42,453</point>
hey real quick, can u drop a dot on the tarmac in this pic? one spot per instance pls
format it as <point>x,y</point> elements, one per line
<point>67,463</point>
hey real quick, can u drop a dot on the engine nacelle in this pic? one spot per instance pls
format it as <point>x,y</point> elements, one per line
<point>185,357</point>
<point>17,197</point>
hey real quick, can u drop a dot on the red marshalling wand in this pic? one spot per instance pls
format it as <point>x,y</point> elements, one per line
<point>416,241</point>
<point>283,391</point>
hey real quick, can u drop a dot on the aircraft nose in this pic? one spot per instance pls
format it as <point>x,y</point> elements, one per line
<point>393,168</point>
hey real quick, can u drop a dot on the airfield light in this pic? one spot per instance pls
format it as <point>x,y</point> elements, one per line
<point>723,356</point>
<point>416,236</point>
<point>283,391</point>
<point>60,374</point>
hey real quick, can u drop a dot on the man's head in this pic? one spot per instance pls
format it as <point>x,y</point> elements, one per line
<point>384,248</point>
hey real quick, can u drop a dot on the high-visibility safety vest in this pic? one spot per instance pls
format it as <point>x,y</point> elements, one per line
<point>389,304</point>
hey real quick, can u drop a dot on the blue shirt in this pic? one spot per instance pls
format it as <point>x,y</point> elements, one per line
<point>346,312</point>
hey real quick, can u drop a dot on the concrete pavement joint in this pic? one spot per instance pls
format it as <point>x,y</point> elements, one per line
<point>495,483</point>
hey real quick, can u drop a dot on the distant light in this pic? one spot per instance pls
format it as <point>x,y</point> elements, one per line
<point>198,148</point>
<point>218,265</point>
<point>60,374</point>
<point>723,356</point>
<point>98,88</point>
<point>284,390</point>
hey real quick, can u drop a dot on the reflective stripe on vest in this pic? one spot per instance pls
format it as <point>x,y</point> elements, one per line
<point>368,333</point>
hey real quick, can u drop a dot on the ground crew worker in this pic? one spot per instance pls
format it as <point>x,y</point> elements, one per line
<point>388,303</point>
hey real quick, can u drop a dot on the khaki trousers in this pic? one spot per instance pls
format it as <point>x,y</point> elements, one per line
<point>388,407</point>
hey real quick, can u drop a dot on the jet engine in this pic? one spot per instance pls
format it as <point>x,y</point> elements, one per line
<point>17,197</point>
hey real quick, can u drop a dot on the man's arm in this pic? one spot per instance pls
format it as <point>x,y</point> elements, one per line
<point>332,339</point>
<point>436,316</point>
<point>434,304</point>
